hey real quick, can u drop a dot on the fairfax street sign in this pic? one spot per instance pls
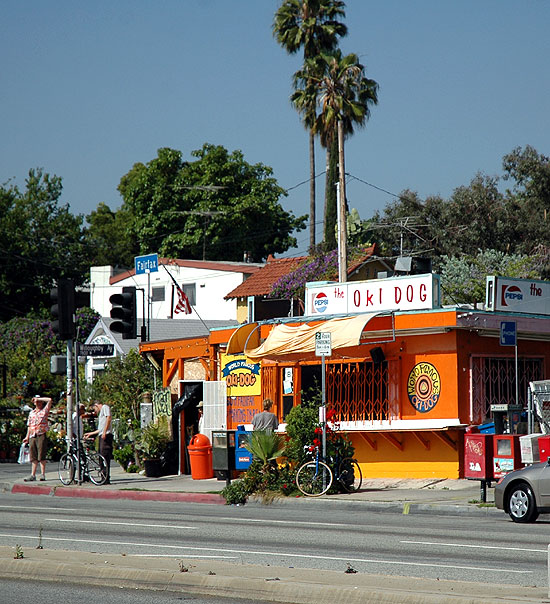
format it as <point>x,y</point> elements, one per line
<point>96,350</point>
<point>146,264</point>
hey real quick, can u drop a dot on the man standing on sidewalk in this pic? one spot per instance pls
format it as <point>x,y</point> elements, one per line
<point>37,426</point>
<point>104,421</point>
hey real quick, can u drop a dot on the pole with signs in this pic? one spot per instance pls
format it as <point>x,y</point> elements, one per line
<point>323,348</point>
<point>147,265</point>
<point>509,337</point>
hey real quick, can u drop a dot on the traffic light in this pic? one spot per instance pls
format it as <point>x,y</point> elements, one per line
<point>63,309</point>
<point>124,310</point>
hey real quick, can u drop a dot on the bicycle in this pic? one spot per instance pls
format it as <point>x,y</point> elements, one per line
<point>349,475</point>
<point>92,465</point>
<point>315,477</point>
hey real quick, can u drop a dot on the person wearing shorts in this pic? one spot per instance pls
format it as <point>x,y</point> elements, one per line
<point>37,426</point>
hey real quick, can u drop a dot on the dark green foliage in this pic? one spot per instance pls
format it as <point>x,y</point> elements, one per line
<point>122,384</point>
<point>207,208</point>
<point>41,241</point>
<point>235,493</point>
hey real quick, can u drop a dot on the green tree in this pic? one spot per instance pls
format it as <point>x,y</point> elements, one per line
<point>314,26</point>
<point>463,278</point>
<point>122,384</point>
<point>109,238</point>
<point>218,207</point>
<point>41,241</point>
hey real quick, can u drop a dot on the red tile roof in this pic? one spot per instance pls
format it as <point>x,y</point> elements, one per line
<point>261,282</point>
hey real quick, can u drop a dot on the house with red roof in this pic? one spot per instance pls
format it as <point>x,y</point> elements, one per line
<point>256,302</point>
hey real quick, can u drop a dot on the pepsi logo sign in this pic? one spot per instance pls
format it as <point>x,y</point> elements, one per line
<point>320,302</point>
<point>511,294</point>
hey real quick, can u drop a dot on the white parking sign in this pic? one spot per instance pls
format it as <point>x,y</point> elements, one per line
<point>323,346</point>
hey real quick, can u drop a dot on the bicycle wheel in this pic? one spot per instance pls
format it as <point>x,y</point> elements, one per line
<point>349,475</point>
<point>314,479</point>
<point>97,467</point>
<point>66,468</point>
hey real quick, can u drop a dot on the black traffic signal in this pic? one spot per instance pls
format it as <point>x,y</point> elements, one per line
<point>63,309</point>
<point>124,310</point>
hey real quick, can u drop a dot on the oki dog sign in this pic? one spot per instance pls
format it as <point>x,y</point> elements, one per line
<point>414,292</point>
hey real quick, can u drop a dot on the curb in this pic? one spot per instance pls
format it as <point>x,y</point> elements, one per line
<point>117,494</point>
<point>398,507</point>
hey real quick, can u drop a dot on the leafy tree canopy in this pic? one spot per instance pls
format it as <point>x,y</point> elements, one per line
<point>479,216</point>
<point>463,279</point>
<point>41,241</point>
<point>216,207</point>
<point>122,384</point>
<point>108,237</point>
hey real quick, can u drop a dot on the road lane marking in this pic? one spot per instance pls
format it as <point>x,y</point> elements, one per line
<point>268,553</point>
<point>513,549</point>
<point>19,508</point>
<point>73,521</point>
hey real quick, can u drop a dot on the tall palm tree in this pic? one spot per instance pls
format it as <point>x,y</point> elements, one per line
<point>345,96</point>
<point>315,26</point>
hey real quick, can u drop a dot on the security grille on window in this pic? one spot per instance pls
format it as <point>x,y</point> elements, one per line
<point>157,294</point>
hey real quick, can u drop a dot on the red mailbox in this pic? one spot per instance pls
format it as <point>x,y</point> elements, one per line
<point>478,456</point>
<point>506,454</point>
<point>544,447</point>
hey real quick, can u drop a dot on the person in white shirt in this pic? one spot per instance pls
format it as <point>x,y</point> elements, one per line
<point>104,421</point>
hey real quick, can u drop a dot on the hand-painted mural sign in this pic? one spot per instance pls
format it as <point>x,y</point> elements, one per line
<point>423,387</point>
<point>241,375</point>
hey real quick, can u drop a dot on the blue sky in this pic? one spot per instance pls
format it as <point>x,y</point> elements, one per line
<point>90,88</point>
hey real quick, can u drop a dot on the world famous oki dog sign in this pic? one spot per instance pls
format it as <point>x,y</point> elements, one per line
<point>414,292</point>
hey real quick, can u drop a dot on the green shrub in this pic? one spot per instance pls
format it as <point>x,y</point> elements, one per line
<point>235,493</point>
<point>125,456</point>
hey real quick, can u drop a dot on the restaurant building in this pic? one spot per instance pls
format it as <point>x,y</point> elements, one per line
<point>405,376</point>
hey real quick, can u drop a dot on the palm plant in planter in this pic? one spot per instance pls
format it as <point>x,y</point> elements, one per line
<point>151,445</point>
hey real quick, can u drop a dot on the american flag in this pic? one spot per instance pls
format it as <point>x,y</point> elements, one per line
<point>183,305</point>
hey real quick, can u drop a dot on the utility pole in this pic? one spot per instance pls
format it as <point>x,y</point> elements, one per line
<point>342,222</point>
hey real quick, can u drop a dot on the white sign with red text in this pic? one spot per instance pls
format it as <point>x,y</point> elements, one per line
<point>413,292</point>
<point>518,295</point>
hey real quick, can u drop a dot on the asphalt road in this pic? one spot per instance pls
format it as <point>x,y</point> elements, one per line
<point>36,592</point>
<point>484,550</point>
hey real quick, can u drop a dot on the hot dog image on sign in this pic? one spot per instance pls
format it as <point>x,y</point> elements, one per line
<point>423,387</point>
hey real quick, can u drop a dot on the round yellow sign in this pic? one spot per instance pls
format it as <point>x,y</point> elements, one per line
<point>423,387</point>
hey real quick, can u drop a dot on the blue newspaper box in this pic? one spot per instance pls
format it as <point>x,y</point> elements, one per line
<point>243,457</point>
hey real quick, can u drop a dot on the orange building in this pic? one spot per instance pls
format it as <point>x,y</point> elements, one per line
<point>404,384</point>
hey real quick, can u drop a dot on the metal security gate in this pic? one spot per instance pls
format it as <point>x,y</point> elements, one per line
<point>493,381</point>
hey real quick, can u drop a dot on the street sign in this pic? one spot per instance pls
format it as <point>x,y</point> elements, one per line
<point>96,350</point>
<point>323,347</point>
<point>146,264</point>
<point>508,333</point>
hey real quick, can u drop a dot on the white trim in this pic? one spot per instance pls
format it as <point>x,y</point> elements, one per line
<point>400,424</point>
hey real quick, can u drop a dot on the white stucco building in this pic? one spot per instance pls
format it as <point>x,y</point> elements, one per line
<point>204,282</point>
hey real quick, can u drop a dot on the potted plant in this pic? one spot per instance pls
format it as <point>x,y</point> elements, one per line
<point>151,445</point>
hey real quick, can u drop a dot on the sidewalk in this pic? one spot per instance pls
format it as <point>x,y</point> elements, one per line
<point>406,496</point>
